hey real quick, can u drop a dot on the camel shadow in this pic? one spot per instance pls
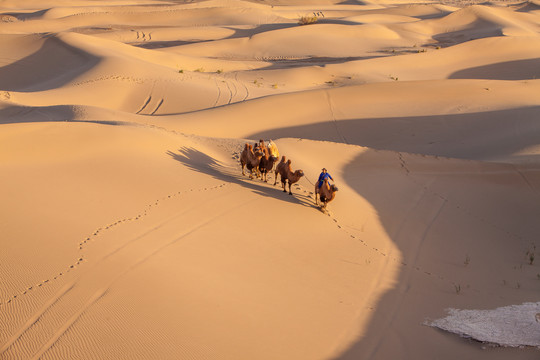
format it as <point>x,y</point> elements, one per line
<point>198,161</point>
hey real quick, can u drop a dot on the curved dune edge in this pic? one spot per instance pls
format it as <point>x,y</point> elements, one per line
<point>513,326</point>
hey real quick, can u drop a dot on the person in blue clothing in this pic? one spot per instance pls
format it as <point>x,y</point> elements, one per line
<point>323,176</point>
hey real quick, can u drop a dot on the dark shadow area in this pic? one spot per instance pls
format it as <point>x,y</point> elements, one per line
<point>53,65</point>
<point>314,61</point>
<point>481,29</point>
<point>337,22</point>
<point>352,2</point>
<point>26,114</point>
<point>509,70</point>
<point>529,6</point>
<point>398,10</point>
<point>467,136</point>
<point>238,34</point>
<point>391,332</point>
<point>27,16</point>
<point>200,162</point>
<point>55,113</point>
<point>164,44</point>
<point>259,29</point>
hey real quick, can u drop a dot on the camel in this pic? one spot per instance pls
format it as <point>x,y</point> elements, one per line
<point>284,170</point>
<point>250,160</point>
<point>327,193</point>
<point>267,164</point>
<point>259,146</point>
<point>280,166</point>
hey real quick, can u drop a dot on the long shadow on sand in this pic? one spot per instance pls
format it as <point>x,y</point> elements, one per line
<point>418,219</point>
<point>25,114</point>
<point>54,113</point>
<point>424,226</point>
<point>422,211</point>
<point>508,70</point>
<point>202,163</point>
<point>466,136</point>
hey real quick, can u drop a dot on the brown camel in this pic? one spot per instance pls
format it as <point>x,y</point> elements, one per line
<point>267,164</point>
<point>326,193</point>
<point>250,160</point>
<point>281,165</point>
<point>284,170</point>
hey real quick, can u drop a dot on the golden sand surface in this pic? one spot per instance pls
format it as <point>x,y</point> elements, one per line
<point>129,232</point>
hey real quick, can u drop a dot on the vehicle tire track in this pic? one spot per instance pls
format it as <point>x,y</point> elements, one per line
<point>94,281</point>
<point>145,104</point>
<point>35,318</point>
<point>334,120</point>
<point>95,235</point>
<point>69,323</point>
<point>230,92</point>
<point>157,107</point>
<point>243,85</point>
<point>218,93</point>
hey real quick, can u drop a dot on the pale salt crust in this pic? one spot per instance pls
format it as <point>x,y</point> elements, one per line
<point>513,326</point>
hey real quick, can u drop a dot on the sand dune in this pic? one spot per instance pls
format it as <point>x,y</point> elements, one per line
<point>128,230</point>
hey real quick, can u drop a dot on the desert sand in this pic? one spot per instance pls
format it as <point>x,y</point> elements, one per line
<point>128,230</point>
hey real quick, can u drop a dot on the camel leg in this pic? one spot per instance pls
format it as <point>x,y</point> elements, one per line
<point>290,192</point>
<point>275,179</point>
<point>243,173</point>
<point>316,195</point>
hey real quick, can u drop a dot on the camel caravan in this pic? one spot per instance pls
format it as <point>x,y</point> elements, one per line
<point>259,159</point>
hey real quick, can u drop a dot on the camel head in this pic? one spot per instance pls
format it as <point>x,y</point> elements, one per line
<point>258,152</point>
<point>334,188</point>
<point>299,173</point>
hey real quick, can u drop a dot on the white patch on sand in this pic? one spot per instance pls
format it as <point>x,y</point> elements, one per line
<point>514,325</point>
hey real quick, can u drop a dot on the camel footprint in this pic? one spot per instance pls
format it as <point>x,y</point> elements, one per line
<point>88,239</point>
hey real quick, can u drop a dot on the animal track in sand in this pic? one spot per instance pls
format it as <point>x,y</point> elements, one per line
<point>95,234</point>
<point>112,77</point>
<point>374,249</point>
<point>445,200</point>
